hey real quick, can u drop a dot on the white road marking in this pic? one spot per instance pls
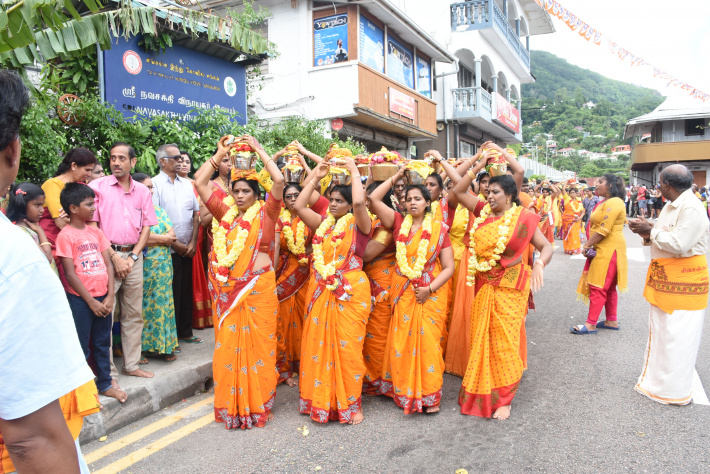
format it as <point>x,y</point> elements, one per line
<point>635,254</point>
<point>699,396</point>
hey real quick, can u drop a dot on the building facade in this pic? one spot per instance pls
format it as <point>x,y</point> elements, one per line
<point>442,75</point>
<point>679,131</point>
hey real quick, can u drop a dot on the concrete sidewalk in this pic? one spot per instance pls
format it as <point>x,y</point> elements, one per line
<point>173,381</point>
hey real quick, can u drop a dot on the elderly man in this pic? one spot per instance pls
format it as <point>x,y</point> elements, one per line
<point>41,360</point>
<point>124,212</point>
<point>676,287</point>
<point>175,195</point>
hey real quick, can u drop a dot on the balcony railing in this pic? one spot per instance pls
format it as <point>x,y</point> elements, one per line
<point>483,14</point>
<point>472,102</point>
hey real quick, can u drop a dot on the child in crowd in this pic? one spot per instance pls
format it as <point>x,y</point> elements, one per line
<point>25,206</point>
<point>85,255</point>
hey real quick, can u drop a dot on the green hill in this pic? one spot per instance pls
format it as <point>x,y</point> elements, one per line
<point>555,104</point>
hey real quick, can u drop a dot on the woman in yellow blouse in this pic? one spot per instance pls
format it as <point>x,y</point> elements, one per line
<point>606,267</point>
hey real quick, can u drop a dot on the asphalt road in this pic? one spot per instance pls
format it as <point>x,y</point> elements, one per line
<point>576,411</point>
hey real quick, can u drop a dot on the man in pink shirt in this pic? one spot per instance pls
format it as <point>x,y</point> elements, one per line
<point>124,212</point>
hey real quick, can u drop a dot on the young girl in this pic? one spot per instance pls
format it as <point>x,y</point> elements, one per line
<point>26,203</point>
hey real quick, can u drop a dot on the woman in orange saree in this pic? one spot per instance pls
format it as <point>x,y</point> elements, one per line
<point>571,227</point>
<point>243,289</point>
<point>543,206</point>
<point>337,303</point>
<point>502,281</point>
<point>292,273</point>
<point>379,267</point>
<point>413,369</point>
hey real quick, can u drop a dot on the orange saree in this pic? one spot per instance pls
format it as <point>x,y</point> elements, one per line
<point>571,228</point>
<point>291,289</point>
<point>380,272</point>
<point>245,308</point>
<point>413,370</point>
<point>495,366</point>
<point>332,366</point>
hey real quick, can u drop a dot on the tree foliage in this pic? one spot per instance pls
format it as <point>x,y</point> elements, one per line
<point>45,138</point>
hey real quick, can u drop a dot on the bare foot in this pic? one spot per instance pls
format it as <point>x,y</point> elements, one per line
<point>503,413</point>
<point>610,324</point>
<point>119,395</point>
<point>357,418</point>
<point>291,382</point>
<point>270,416</point>
<point>114,384</point>
<point>138,373</point>
<point>432,409</point>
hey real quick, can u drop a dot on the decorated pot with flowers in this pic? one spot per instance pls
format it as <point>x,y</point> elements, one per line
<point>243,156</point>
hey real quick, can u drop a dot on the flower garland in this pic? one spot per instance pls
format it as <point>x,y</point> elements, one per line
<point>327,272</point>
<point>219,230</point>
<point>474,264</point>
<point>296,245</point>
<point>413,273</point>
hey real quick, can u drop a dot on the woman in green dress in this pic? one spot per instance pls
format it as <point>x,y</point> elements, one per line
<point>159,331</point>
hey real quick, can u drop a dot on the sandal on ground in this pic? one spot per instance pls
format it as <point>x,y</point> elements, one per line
<point>170,357</point>
<point>143,361</point>
<point>581,329</point>
<point>177,350</point>
<point>602,325</point>
<point>192,340</point>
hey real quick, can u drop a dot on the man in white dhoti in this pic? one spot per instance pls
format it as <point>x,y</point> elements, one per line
<point>676,287</point>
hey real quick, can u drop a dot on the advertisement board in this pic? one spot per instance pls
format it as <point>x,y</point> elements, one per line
<point>173,83</point>
<point>402,104</point>
<point>330,40</point>
<point>423,77</point>
<point>400,63</point>
<point>372,45</point>
<point>506,114</point>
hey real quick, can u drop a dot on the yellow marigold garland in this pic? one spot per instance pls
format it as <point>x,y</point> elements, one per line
<point>296,244</point>
<point>484,265</point>
<point>327,272</point>
<point>413,273</point>
<point>219,230</point>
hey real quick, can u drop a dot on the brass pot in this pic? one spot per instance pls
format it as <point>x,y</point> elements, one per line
<point>243,161</point>
<point>413,178</point>
<point>295,175</point>
<point>384,171</point>
<point>341,178</point>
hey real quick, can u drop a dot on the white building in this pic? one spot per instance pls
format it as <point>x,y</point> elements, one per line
<point>444,75</point>
<point>598,156</point>
<point>680,133</point>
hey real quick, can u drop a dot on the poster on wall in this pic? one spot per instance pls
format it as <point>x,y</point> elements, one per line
<point>330,40</point>
<point>400,63</point>
<point>423,77</point>
<point>173,84</point>
<point>372,45</point>
<point>507,114</point>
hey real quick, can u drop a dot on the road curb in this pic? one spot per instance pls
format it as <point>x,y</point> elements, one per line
<point>156,394</point>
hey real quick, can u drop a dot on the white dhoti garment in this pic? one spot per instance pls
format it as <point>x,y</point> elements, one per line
<point>673,343</point>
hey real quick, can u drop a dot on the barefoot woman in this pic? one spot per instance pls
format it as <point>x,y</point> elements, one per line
<point>337,303</point>
<point>498,238</point>
<point>413,368</point>
<point>243,289</point>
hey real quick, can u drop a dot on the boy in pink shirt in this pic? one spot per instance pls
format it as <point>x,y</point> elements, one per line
<point>86,258</point>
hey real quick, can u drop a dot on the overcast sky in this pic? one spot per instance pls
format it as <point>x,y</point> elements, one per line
<point>672,36</point>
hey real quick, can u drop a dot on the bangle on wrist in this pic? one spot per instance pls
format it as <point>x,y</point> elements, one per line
<point>45,243</point>
<point>540,262</point>
<point>430,290</point>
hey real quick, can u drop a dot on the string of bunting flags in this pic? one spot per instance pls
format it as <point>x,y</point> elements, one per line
<point>593,35</point>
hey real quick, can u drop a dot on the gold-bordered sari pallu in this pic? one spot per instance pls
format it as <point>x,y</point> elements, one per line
<point>380,272</point>
<point>332,367</point>
<point>414,364</point>
<point>495,366</point>
<point>245,309</point>
<point>291,289</point>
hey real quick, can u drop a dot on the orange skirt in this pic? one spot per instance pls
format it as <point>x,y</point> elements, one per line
<point>458,347</point>
<point>414,366</point>
<point>332,366</point>
<point>379,271</point>
<point>244,364</point>
<point>288,333</point>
